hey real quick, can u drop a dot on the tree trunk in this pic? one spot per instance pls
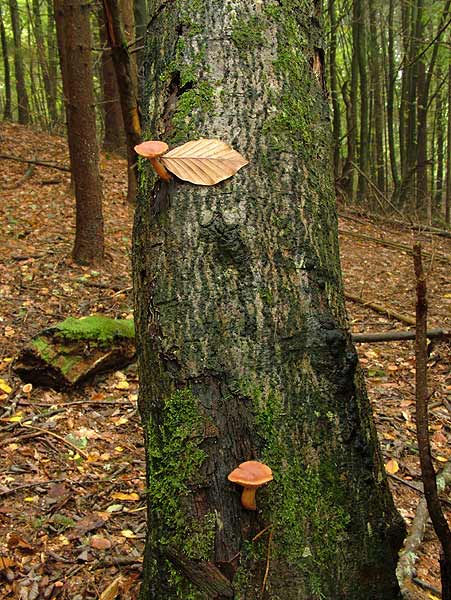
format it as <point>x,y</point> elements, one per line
<point>127,83</point>
<point>364,105</point>
<point>52,61</point>
<point>376,72</point>
<point>7,112</point>
<point>440,128</point>
<point>422,201</point>
<point>42,58</point>
<point>244,348</point>
<point>447,206</point>
<point>391,98</point>
<point>351,111</point>
<point>333,85</point>
<point>140,9</point>
<point>81,128</point>
<point>114,134</point>
<point>21,89</point>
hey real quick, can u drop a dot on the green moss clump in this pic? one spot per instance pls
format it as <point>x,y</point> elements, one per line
<point>192,104</point>
<point>43,348</point>
<point>294,125</point>
<point>98,328</point>
<point>248,34</point>
<point>175,461</point>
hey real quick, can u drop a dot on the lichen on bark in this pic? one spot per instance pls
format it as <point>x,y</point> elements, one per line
<point>240,302</point>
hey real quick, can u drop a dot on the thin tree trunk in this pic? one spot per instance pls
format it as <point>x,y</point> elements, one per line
<point>7,113</point>
<point>447,206</point>
<point>422,201</point>
<point>52,62</point>
<point>244,352</point>
<point>424,85</point>
<point>377,86</point>
<point>126,78</point>
<point>75,36</point>
<point>42,58</point>
<point>353,130</point>
<point>334,85</point>
<point>364,104</point>
<point>140,10</point>
<point>21,89</point>
<point>114,134</point>
<point>391,99</point>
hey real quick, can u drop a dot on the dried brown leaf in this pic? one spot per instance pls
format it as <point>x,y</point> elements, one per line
<point>204,161</point>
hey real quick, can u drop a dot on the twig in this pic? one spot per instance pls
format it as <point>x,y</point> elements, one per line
<point>408,555</point>
<point>444,258</point>
<point>380,308</point>
<point>268,556</point>
<point>421,392</point>
<point>394,336</point>
<point>255,538</point>
<point>58,437</point>
<point>117,561</point>
<point>427,586</point>
<point>41,163</point>
<point>24,486</point>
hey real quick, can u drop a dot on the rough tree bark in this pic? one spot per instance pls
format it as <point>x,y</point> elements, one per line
<point>74,41</point>
<point>243,340</point>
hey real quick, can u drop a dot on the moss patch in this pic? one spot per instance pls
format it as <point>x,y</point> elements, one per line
<point>247,34</point>
<point>98,328</point>
<point>175,461</point>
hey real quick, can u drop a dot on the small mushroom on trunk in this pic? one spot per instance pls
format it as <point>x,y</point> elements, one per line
<point>153,150</point>
<point>251,475</point>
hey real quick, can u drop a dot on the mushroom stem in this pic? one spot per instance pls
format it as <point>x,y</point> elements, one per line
<point>160,169</point>
<point>248,498</point>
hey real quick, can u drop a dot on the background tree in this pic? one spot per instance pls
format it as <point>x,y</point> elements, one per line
<point>7,111</point>
<point>114,134</point>
<point>118,23</point>
<point>21,89</point>
<point>74,40</point>
<point>241,326</point>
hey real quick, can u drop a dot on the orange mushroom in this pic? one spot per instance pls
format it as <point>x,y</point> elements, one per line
<point>153,150</point>
<point>251,475</point>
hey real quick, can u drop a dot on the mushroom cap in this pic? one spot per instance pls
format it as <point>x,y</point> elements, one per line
<point>251,474</point>
<point>151,149</point>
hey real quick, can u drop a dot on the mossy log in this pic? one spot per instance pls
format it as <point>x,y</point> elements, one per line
<point>75,350</point>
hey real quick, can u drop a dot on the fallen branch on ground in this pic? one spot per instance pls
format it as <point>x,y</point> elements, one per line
<point>419,228</point>
<point>390,244</point>
<point>41,163</point>
<point>395,336</point>
<point>380,308</point>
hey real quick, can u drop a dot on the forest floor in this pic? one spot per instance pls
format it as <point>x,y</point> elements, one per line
<point>73,526</point>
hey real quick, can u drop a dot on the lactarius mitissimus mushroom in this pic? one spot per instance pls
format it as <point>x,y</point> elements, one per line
<point>251,475</point>
<point>153,150</point>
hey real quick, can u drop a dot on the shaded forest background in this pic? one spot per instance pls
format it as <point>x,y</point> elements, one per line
<point>388,72</point>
